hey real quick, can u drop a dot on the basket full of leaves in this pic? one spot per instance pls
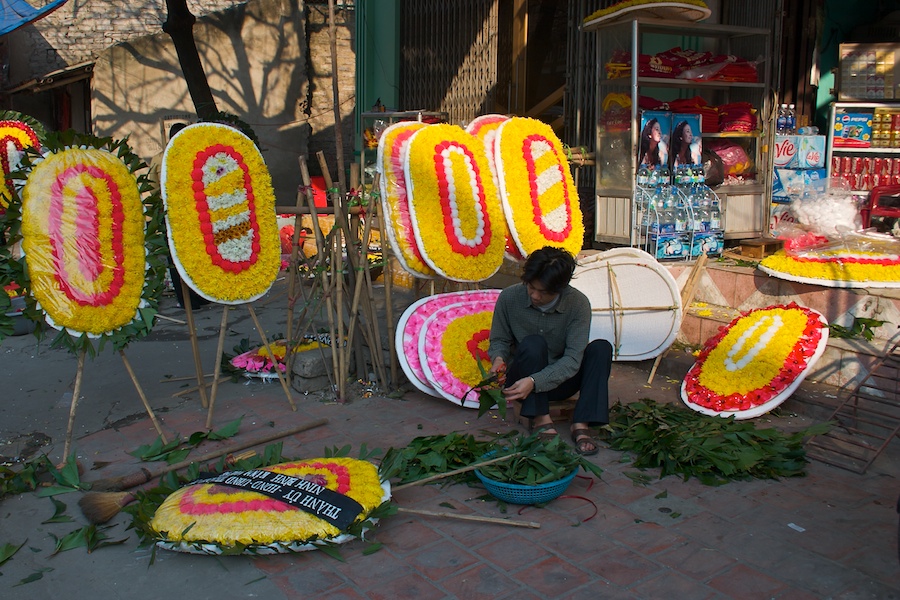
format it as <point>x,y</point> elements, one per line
<point>541,471</point>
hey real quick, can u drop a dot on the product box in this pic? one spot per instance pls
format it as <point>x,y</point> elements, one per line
<point>869,71</point>
<point>852,130</point>
<point>666,246</point>
<point>789,184</point>
<point>799,151</point>
<point>780,217</point>
<point>711,242</point>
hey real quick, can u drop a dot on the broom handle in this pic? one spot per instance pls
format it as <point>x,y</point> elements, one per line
<point>144,475</point>
<point>455,472</point>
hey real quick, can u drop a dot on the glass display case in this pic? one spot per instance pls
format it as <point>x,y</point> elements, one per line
<point>623,92</point>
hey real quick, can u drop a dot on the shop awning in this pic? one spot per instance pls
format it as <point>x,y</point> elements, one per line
<point>17,13</point>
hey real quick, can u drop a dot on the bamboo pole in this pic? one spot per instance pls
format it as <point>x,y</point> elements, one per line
<point>268,347</point>
<point>79,373</point>
<point>388,276</point>
<point>478,518</point>
<point>220,348</point>
<point>140,392</point>
<point>324,273</point>
<point>195,345</point>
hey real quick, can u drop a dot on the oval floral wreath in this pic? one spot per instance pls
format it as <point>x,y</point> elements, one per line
<point>453,341</point>
<point>220,213</point>
<point>18,133</point>
<point>92,246</point>
<point>485,128</point>
<point>215,519</point>
<point>838,268</point>
<point>756,362</point>
<point>392,148</point>
<point>536,187</point>
<point>454,208</point>
<point>410,328</point>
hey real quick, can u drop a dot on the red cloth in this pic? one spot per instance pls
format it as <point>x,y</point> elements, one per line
<point>737,116</point>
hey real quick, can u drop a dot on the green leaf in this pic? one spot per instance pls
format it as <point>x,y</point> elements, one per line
<point>37,575</point>
<point>72,540</point>
<point>59,515</point>
<point>8,550</point>
<point>372,548</point>
<point>228,431</point>
<point>55,490</point>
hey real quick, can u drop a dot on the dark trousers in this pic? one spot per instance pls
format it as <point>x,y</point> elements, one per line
<point>592,380</point>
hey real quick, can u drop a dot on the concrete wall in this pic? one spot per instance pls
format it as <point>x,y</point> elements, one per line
<point>81,29</point>
<point>254,56</point>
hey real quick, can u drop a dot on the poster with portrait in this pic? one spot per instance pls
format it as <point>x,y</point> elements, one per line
<point>685,145</point>
<point>653,145</point>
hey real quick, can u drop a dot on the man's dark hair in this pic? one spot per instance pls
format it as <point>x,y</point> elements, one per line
<point>552,267</point>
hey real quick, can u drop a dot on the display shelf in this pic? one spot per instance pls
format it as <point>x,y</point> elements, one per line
<point>745,206</point>
<point>863,166</point>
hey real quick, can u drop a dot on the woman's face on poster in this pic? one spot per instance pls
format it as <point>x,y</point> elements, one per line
<point>687,135</point>
<point>656,132</point>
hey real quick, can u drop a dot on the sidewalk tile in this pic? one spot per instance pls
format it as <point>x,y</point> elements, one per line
<point>741,581</point>
<point>483,582</point>
<point>552,577</point>
<point>621,566</point>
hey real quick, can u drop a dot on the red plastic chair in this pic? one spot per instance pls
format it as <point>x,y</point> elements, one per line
<point>872,207</point>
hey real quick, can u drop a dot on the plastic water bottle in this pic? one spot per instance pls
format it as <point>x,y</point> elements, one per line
<point>643,175</point>
<point>715,215</point>
<point>680,213</point>
<point>791,120</point>
<point>781,120</point>
<point>667,210</point>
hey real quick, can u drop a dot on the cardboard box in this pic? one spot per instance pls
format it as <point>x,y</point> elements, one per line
<point>800,151</point>
<point>711,242</point>
<point>852,130</point>
<point>668,246</point>
<point>790,184</point>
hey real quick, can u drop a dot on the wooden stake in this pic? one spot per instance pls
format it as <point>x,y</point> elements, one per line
<point>79,372</point>
<point>477,518</point>
<point>220,349</point>
<point>466,469</point>
<point>140,392</point>
<point>265,340</point>
<point>195,345</point>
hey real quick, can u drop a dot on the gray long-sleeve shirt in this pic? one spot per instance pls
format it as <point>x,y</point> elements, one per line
<point>565,327</point>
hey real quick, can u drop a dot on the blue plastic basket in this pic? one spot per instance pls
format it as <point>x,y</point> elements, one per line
<point>517,493</point>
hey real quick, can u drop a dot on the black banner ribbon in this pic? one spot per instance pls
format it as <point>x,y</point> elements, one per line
<point>308,496</point>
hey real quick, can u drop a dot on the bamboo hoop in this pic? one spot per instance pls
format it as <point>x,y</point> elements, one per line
<point>220,348</point>
<point>79,373</point>
<point>195,345</point>
<point>143,396</point>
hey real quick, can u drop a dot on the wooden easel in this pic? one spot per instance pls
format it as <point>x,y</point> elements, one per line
<point>687,296</point>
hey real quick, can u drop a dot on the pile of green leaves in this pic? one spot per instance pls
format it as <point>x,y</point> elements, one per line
<point>435,454</point>
<point>715,450</point>
<point>536,461</point>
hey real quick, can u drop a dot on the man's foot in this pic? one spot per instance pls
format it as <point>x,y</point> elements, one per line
<point>545,429</point>
<point>584,442</point>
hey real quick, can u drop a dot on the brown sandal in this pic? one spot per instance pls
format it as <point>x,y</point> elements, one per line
<point>546,432</point>
<point>581,437</point>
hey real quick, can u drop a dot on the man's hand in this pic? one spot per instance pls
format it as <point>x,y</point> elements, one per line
<point>520,389</point>
<point>498,366</point>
